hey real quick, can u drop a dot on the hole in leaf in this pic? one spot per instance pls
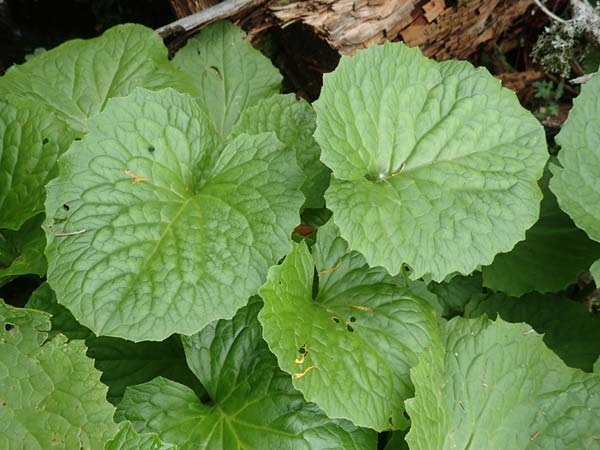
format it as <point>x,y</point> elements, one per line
<point>350,328</point>
<point>352,319</point>
<point>335,319</point>
<point>8,326</point>
<point>45,141</point>
<point>217,71</point>
<point>151,149</point>
<point>302,350</point>
<point>66,207</point>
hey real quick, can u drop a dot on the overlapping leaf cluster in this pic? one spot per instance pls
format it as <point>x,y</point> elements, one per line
<point>159,197</point>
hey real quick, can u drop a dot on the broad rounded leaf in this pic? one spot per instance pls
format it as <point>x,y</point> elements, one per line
<point>229,74</point>
<point>554,253</point>
<point>22,252</point>
<point>434,164</point>
<point>50,393</point>
<point>165,231</point>
<point>31,140</point>
<point>293,121</point>
<point>494,385</point>
<point>128,439</point>
<point>576,181</point>
<point>569,329</point>
<point>253,404</point>
<point>454,294</point>
<point>361,333</point>
<point>75,79</point>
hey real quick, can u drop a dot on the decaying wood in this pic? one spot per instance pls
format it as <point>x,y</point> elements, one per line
<point>518,81</point>
<point>442,30</point>
<point>189,7</point>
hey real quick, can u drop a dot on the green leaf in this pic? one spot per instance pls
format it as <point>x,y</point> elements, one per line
<point>554,253</point>
<point>122,363</point>
<point>22,252</point>
<point>569,329</point>
<point>361,330</point>
<point>75,79</point>
<point>229,74</point>
<point>495,385</point>
<point>397,441</point>
<point>128,439</point>
<point>576,181</point>
<point>454,294</point>
<point>293,121</point>
<point>434,164</point>
<point>185,245</point>
<point>253,404</point>
<point>50,393</point>
<point>595,272</point>
<point>32,139</point>
<point>125,363</point>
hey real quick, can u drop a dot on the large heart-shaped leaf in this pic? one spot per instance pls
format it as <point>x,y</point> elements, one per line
<point>229,74</point>
<point>576,181</point>
<point>76,79</point>
<point>434,164</point>
<point>350,346</point>
<point>253,404</point>
<point>50,393</point>
<point>165,231</point>
<point>494,385</point>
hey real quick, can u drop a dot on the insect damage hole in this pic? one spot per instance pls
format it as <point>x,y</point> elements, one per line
<point>8,326</point>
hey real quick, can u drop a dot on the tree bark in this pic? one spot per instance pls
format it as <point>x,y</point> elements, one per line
<point>441,28</point>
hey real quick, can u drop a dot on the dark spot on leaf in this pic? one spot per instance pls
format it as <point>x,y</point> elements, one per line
<point>279,283</point>
<point>335,319</point>
<point>77,139</point>
<point>45,141</point>
<point>151,149</point>
<point>302,350</point>
<point>8,326</point>
<point>352,319</point>
<point>66,207</point>
<point>217,71</point>
<point>349,328</point>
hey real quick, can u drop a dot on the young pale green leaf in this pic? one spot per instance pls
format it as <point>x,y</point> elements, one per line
<point>51,395</point>
<point>494,385</point>
<point>22,252</point>
<point>75,79</point>
<point>32,139</point>
<point>165,232</point>
<point>229,74</point>
<point>293,121</point>
<point>569,329</point>
<point>253,404</point>
<point>128,439</point>
<point>362,332</point>
<point>122,363</point>
<point>576,181</point>
<point>434,164</point>
<point>554,253</point>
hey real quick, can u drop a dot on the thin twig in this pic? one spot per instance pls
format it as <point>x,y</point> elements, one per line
<point>549,13</point>
<point>187,25</point>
